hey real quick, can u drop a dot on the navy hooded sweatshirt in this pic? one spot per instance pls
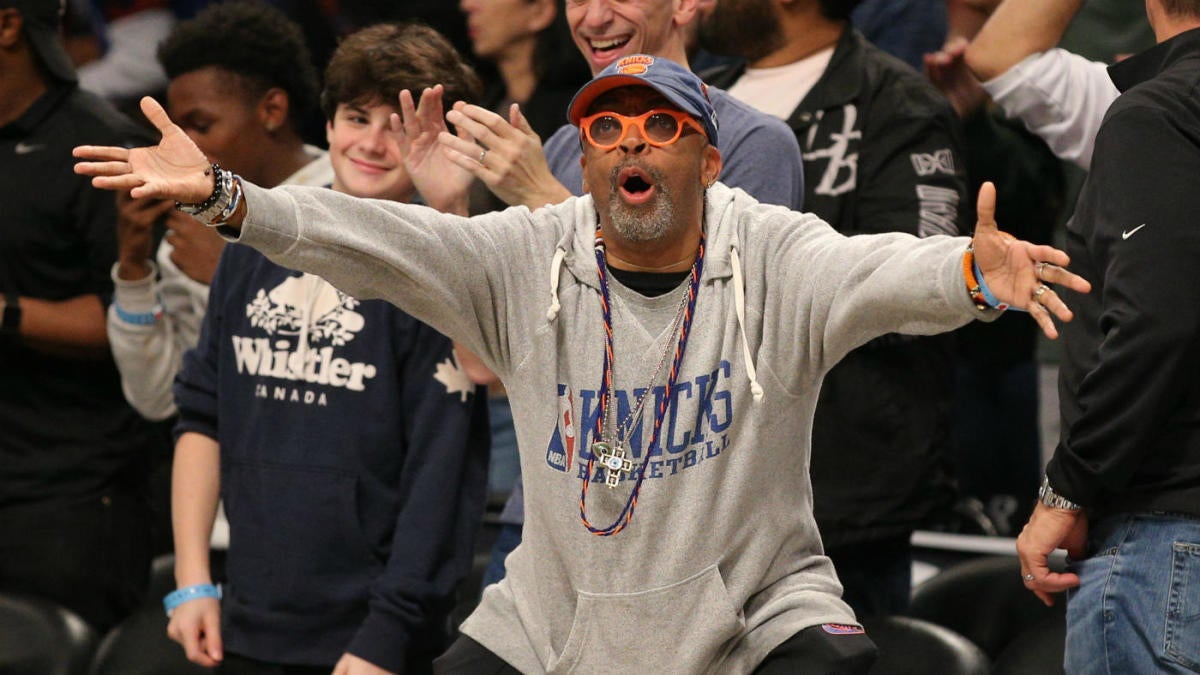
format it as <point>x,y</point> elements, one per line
<point>353,466</point>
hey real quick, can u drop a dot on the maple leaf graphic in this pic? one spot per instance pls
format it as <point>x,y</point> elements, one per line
<point>454,378</point>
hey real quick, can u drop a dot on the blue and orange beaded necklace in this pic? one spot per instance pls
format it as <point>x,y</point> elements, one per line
<point>612,453</point>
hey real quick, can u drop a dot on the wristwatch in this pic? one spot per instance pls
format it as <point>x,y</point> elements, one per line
<point>1049,497</point>
<point>10,323</point>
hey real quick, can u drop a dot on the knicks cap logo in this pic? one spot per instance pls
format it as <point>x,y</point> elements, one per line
<point>637,64</point>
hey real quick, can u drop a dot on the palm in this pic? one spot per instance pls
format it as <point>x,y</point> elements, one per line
<point>1018,272</point>
<point>439,180</point>
<point>174,169</point>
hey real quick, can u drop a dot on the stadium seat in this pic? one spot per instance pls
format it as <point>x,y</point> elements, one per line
<point>982,599</point>
<point>40,637</point>
<point>909,646</point>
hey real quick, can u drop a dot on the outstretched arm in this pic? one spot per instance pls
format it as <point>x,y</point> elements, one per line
<point>1019,273</point>
<point>1017,29</point>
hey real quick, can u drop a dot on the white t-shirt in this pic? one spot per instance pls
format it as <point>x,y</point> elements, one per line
<point>777,91</point>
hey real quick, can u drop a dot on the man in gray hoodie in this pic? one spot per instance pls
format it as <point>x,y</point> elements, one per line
<point>663,339</point>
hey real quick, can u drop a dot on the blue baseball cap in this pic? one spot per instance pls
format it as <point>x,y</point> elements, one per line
<point>678,84</point>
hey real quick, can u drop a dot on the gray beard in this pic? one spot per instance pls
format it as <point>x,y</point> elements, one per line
<point>639,223</point>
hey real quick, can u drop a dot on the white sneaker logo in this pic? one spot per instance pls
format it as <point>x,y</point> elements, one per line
<point>24,148</point>
<point>1129,233</point>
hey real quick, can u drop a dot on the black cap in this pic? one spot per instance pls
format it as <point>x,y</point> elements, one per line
<point>41,20</point>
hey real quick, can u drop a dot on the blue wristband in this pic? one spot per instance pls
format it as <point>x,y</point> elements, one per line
<point>138,318</point>
<point>990,299</point>
<point>181,595</point>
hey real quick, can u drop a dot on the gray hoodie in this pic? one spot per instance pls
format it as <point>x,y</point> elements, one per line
<point>721,561</point>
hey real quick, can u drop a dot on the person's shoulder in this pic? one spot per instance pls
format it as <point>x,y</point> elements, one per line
<point>98,119</point>
<point>896,86</point>
<point>738,120</point>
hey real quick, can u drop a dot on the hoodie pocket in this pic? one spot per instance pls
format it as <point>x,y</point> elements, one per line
<point>681,628</point>
<point>296,544</point>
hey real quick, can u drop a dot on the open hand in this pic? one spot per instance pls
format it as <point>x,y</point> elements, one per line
<point>947,70</point>
<point>440,180</point>
<point>175,169</point>
<point>513,165</point>
<point>1018,272</point>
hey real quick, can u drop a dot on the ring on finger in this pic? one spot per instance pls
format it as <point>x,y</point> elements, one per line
<point>1040,271</point>
<point>482,154</point>
<point>1028,577</point>
<point>1039,291</point>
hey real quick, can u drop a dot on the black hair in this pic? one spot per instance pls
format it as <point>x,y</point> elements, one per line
<point>260,47</point>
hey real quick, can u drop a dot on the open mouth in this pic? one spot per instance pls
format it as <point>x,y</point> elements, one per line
<point>608,48</point>
<point>635,185</point>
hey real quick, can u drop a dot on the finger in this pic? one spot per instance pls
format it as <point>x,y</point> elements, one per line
<point>1042,316</point>
<point>155,113</point>
<point>471,165</point>
<point>517,120</point>
<point>483,124</point>
<point>429,110</point>
<point>985,207</point>
<point>408,111</point>
<point>111,168</point>
<point>126,182</point>
<point>1053,274</point>
<point>458,145</point>
<point>191,644</point>
<point>1052,302</point>
<point>99,153</point>
<point>212,635</point>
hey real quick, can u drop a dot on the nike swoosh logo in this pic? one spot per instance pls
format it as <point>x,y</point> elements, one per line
<point>26,148</point>
<point>1129,233</point>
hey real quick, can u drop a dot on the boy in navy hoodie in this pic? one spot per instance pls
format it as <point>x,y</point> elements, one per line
<point>346,442</point>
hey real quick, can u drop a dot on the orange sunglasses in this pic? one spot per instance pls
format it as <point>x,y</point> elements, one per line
<point>606,130</point>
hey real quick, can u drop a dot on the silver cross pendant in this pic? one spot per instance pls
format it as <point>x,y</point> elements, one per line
<point>613,460</point>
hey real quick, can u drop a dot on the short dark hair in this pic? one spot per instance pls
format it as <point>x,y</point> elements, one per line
<point>259,45</point>
<point>1182,7</point>
<point>372,65</point>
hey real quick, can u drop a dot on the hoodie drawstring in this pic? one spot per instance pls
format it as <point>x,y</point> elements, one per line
<point>555,267</point>
<point>739,308</point>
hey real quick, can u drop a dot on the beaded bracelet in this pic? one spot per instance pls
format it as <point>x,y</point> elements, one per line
<point>980,294</point>
<point>188,593</point>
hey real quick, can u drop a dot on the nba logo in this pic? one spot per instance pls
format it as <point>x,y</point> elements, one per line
<point>561,449</point>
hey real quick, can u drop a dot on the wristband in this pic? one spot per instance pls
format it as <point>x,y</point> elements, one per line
<point>980,294</point>
<point>181,595</point>
<point>990,299</point>
<point>139,318</point>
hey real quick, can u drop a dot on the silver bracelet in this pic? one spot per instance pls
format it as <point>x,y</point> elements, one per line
<point>1049,497</point>
<point>209,210</point>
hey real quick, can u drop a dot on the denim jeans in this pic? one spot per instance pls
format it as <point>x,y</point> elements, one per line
<point>1137,608</point>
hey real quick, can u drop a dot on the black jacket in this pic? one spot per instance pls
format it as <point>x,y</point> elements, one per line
<point>882,152</point>
<point>1128,384</point>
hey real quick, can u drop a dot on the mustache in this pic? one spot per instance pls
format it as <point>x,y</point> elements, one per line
<point>655,174</point>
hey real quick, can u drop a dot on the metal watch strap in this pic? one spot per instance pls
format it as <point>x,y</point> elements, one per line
<point>208,211</point>
<point>1049,497</point>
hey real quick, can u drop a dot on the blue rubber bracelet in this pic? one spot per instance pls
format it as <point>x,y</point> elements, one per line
<point>181,595</point>
<point>138,318</point>
<point>990,299</point>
